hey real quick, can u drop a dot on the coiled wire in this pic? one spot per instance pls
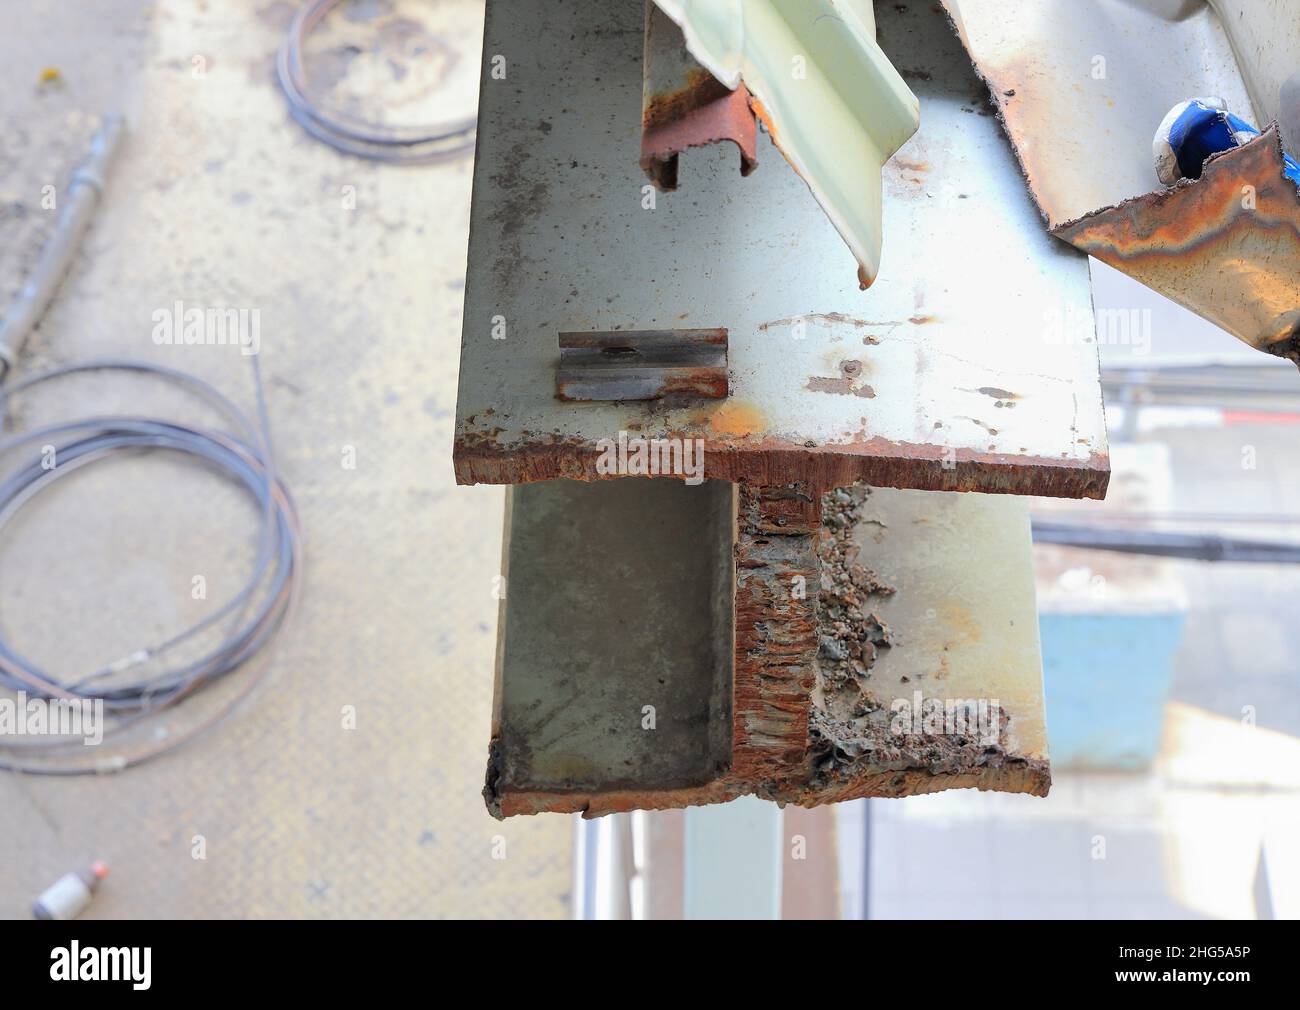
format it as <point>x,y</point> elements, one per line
<point>403,144</point>
<point>251,617</point>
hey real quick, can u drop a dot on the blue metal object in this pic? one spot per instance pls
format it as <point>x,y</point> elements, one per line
<point>1107,678</point>
<point>1194,130</point>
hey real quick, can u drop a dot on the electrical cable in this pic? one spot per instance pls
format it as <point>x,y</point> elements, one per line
<point>397,144</point>
<point>1160,543</point>
<point>252,616</point>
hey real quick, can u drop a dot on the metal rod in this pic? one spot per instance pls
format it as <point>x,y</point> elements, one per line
<point>84,192</point>
<point>1192,546</point>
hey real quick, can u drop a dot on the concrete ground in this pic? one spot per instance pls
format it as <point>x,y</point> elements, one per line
<point>357,272</point>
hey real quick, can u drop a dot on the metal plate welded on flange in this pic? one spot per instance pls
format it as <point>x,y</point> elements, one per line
<point>642,365</point>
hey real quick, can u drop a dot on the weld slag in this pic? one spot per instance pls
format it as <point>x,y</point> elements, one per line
<point>634,456</point>
<point>980,718</point>
<point>1074,325</point>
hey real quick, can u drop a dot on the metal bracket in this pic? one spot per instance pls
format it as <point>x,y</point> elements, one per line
<point>642,365</point>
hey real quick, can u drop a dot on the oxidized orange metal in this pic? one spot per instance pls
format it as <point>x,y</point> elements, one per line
<point>704,112</point>
<point>1226,246</point>
<point>776,631</point>
<point>880,462</point>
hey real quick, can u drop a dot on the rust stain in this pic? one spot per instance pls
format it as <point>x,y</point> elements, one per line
<point>976,421</point>
<point>703,112</point>
<point>736,420</point>
<point>844,384</point>
<point>765,117</point>
<point>841,385</point>
<point>962,621</point>
<point>701,89</point>
<point>479,458</point>
<point>996,393</point>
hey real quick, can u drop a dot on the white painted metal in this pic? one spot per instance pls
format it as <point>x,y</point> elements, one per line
<point>733,860</point>
<point>964,615</point>
<point>973,294</point>
<point>834,101</point>
<point>1265,37</point>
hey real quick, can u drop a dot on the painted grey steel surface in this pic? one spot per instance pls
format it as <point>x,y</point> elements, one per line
<point>615,653</point>
<point>973,299</point>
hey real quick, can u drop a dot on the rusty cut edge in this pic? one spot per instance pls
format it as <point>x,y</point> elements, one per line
<point>676,128</point>
<point>1030,776</point>
<point>878,461</point>
<point>1194,239</point>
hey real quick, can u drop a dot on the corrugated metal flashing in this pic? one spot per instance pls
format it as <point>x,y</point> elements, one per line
<point>834,104</point>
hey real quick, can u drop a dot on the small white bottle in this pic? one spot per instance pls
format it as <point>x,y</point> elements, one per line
<point>70,895</point>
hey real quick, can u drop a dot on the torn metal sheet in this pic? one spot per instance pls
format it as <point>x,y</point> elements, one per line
<point>684,106</point>
<point>1226,246</point>
<point>1081,87</point>
<point>834,104</point>
<point>954,372</point>
<point>1079,107</point>
<point>642,365</point>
